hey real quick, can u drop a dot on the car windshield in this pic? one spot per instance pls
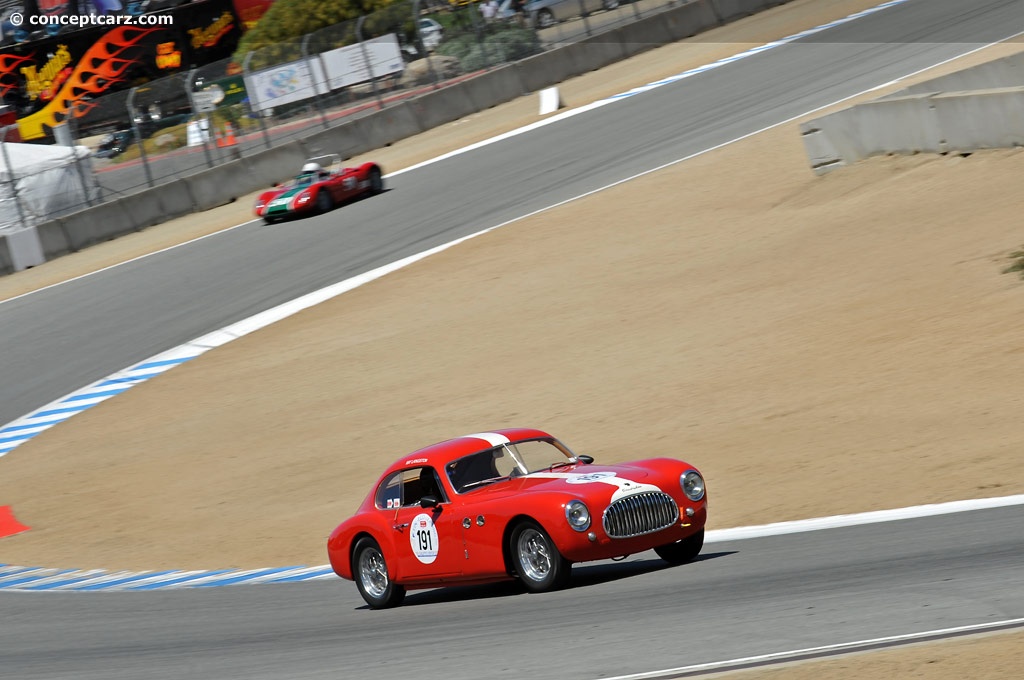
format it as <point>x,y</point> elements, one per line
<point>505,462</point>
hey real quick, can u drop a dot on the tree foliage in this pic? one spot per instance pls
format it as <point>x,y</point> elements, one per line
<point>278,35</point>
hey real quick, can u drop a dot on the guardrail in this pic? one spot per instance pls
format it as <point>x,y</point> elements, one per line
<point>226,183</point>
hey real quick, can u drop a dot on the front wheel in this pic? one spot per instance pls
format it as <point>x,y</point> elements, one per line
<point>324,202</point>
<point>536,560</point>
<point>682,551</point>
<point>545,19</point>
<point>610,4</point>
<point>371,573</point>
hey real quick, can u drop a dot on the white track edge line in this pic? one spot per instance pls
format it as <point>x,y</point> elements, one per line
<point>839,648</point>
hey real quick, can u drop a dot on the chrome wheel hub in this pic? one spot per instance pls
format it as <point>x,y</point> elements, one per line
<point>373,573</point>
<point>534,555</point>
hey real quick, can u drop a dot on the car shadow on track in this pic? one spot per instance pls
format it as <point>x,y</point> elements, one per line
<point>583,576</point>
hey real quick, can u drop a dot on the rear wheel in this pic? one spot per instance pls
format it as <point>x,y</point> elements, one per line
<point>376,181</point>
<point>545,19</point>
<point>371,574</point>
<point>270,220</point>
<point>610,4</point>
<point>682,551</point>
<point>536,560</point>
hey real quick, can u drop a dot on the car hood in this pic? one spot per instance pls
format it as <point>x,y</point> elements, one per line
<point>607,482</point>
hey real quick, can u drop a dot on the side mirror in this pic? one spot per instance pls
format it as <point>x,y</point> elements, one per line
<point>586,460</point>
<point>429,502</point>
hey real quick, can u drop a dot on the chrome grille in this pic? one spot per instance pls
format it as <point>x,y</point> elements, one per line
<point>639,514</point>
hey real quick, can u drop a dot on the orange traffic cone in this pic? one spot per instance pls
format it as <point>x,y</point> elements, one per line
<point>228,138</point>
<point>8,525</point>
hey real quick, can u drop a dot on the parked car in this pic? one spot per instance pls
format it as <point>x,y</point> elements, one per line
<point>546,13</point>
<point>317,189</point>
<point>431,32</point>
<point>114,144</point>
<point>512,504</point>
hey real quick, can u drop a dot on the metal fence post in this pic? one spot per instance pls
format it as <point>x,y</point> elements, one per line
<point>259,114</point>
<point>478,30</point>
<point>312,74</point>
<point>419,43</point>
<point>12,178</point>
<point>583,15</point>
<point>138,136</point>
<point>366,58</point>
<point>72,128</point>
<point>189,84</point>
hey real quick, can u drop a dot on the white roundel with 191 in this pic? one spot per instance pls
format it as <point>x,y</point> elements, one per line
<point>423,538</point>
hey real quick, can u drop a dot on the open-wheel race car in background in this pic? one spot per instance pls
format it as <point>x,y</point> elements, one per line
<point>318,189</point>
<point>512,504</point>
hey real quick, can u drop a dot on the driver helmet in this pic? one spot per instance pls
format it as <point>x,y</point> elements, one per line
<point>311,167</point>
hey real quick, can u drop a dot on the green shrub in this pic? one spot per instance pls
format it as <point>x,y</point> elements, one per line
<point>1018,265</point>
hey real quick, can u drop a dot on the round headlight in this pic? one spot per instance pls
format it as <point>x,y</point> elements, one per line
<point>577,514</point>
<point>692,484</point>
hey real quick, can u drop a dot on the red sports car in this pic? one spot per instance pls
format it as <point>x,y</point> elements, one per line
<point>508,504</point>
<point>317,190</point>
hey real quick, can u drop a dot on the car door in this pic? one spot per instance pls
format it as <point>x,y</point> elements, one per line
<point>427,542</point>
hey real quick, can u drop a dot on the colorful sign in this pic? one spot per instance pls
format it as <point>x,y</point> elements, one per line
<point>47,80</point>
<point>168,56</point>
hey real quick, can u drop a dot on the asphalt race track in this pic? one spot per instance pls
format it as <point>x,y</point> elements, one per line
<point>742,598</point>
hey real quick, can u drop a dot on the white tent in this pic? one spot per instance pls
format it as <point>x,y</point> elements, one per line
<point>38,183</point>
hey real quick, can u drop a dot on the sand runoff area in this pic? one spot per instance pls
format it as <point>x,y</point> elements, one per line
<point>780,330</point>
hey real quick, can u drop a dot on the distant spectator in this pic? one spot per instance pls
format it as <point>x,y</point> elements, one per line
<point>489,10</point>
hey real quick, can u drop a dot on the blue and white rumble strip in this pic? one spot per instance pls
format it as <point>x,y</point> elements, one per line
<point>31,579</point>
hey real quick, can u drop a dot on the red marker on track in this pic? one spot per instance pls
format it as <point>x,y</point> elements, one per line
<point>8,524</point>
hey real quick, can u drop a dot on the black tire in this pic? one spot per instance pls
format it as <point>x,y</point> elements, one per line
<point>376,182</point>
<point>536,560</point>
<point>324,202</point>
<point>270,220</point>
<point>545,19</point>
<point>682,551</point>
<point>371,575</point>
<point>610,4</point>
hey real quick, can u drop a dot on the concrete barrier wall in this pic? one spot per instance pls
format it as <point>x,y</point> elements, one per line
<point>930,123</point>
<point>439,107</point>
<point>691,19</point>
<point>223,184</point>
<point>494,87</point>
<point>731,10</point>
<point>6,265</point>
<point>397,121</point>
<point>981,119</point>
<point>1005,72</point>
<point>97,224</point>
<point>151,208</point>
<point>54,239</point>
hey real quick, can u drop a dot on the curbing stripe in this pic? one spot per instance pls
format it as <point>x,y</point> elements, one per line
<point>37,579</point>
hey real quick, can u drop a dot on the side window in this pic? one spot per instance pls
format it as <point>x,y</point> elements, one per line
<point>389,494</point>
<point>407,487</point>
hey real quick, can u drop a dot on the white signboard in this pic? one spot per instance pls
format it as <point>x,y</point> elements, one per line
<point>348,65</point>
<point>280,85</point>
<point>341,67</point>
